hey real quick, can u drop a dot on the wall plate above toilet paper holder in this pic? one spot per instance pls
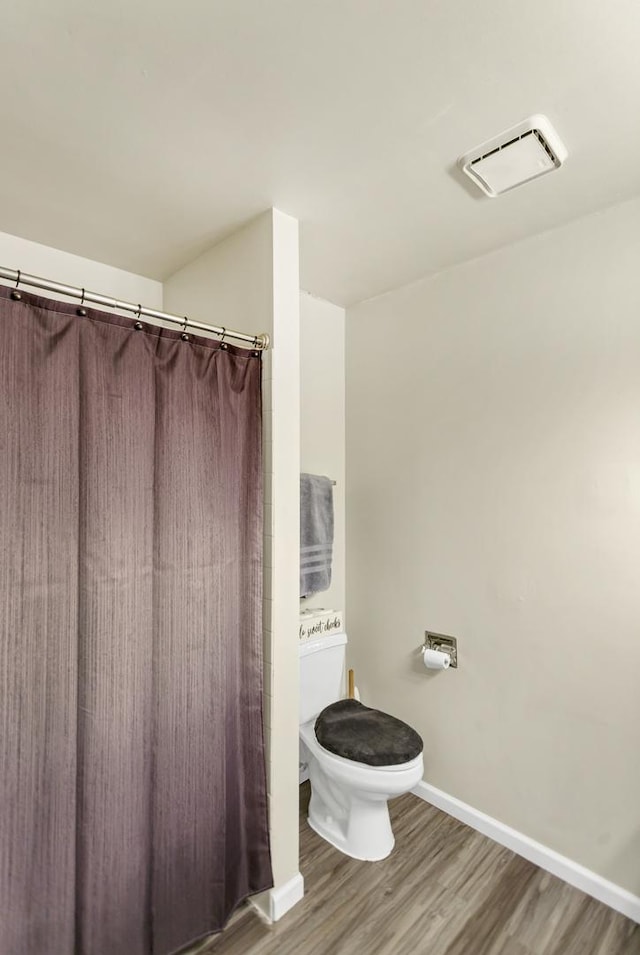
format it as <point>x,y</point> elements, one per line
<point>440,641</point>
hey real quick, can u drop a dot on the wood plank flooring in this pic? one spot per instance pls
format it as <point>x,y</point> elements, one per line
<point>445,890</point>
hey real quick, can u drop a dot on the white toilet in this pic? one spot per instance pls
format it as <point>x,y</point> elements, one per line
<point>349,798</point>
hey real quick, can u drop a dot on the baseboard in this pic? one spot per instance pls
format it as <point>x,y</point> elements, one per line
<point>274,903</point>
<point>576,875</point>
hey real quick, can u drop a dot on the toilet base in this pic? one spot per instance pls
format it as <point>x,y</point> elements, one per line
<point>331,833</point>
<point>356,823</point>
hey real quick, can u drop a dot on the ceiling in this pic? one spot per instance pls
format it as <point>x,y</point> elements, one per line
<point>138,132</point>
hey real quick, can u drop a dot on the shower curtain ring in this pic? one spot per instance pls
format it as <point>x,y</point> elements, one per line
<point>223,344</point>
<point>15,294</point>
<point>184,336</point>
<point>81,310</point>
<point>139,310</point>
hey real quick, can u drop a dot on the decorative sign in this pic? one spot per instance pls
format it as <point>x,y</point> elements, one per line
<point>320,623</point>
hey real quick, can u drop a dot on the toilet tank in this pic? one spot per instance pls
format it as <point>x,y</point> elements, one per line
<point>322,674</point>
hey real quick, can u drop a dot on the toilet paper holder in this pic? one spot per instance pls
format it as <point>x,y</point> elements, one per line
<point>443,642</point>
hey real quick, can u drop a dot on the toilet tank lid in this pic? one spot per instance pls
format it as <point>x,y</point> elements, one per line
<point>322,643</point>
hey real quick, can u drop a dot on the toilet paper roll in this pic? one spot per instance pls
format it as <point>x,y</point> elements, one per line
<point>436,659</point>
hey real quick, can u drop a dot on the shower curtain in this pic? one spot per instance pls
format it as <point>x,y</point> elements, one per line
<point>132,782</point>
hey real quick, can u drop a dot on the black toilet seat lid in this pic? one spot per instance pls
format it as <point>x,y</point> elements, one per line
<point>354,731</point>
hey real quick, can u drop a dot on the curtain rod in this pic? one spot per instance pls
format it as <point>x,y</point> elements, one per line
<point>261,341</point>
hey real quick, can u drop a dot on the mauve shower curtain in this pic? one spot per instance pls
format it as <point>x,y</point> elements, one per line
<point>132,780</point>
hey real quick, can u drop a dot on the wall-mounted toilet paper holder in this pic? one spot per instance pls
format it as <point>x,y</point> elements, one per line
<point>440,641</point>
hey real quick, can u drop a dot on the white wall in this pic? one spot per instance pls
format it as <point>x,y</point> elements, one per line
<point>250,282</point>
<point>322,422</point>
<point>231,284</point>
<point>493,446</point>
<point>16,253</point>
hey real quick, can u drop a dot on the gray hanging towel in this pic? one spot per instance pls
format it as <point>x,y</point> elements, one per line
<point>316,533</point>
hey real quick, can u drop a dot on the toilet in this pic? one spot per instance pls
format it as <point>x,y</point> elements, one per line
<point>357,757</point>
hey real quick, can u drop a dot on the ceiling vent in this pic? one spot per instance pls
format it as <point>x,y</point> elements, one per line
<point>520,154</point>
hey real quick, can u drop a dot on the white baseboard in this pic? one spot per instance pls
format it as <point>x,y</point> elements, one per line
<point>274,903</point>
<point>576,875</point>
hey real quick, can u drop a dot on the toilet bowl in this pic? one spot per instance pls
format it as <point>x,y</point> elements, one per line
<point>349,797</point>
<point>349,800</point>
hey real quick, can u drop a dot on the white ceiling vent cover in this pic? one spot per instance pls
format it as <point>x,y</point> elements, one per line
<point>518,155</point>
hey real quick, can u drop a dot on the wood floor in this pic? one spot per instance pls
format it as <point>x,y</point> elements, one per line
<point>445,890</point>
